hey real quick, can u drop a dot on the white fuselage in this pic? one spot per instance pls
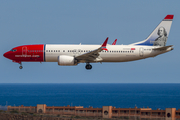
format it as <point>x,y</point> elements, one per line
<point>115,53</point>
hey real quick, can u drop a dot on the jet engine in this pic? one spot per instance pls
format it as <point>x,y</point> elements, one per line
<point>65,60</point>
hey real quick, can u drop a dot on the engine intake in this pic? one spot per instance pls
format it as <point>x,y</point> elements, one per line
<point>65,60</point>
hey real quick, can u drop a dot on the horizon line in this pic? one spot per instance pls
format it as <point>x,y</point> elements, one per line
<point>89,83</point>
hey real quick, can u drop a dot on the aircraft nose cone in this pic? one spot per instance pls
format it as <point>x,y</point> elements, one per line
<point>5,55</point>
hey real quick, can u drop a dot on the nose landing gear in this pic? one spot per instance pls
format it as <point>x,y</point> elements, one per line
<point>88,66</point>
<point>20,67</point>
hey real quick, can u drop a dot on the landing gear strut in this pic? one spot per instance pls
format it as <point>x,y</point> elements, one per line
<point>88,66</point>
<point>20,67</point>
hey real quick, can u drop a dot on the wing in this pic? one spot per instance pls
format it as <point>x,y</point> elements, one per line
<point>114,43</point>
<point>92,55</point>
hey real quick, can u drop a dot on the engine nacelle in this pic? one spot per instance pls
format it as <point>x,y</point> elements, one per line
<point>65,60</point>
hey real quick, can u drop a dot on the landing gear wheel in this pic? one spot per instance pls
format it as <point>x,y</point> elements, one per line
<point>20,67</point>
<point>88,66</point>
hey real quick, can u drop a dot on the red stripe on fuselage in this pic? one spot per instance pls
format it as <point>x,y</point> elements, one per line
<point>27,53</point>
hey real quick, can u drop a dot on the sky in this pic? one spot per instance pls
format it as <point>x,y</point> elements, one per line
<point>87,22</point>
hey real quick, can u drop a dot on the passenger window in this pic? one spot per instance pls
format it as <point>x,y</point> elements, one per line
<point>51,50</point>
<point>58,50</point>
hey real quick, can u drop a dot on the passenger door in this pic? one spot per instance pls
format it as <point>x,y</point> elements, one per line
<point>141,52</point>
<point>24,50</point>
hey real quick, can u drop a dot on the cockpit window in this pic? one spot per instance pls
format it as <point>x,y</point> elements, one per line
<point>13,50</point>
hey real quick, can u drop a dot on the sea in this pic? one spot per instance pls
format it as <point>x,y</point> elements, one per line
<point>96,95</point>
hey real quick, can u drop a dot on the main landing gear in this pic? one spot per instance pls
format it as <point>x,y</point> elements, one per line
<point>20,67</point>
<point>88,66</point>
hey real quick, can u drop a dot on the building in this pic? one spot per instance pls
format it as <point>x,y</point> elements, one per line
<point>104,112</point>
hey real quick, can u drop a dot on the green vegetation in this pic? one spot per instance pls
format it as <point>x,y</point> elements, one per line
<point>2,111</point>
<point>31,113</point>
<point>14,111</point>
<point>77,117</point>
<point>126,117</point>
<point>137,118</point>
<point>23,113</point>
<point>121,117</point>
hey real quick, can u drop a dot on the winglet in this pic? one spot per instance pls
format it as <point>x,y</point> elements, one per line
<point>114,43</point>
<point>104,44</point>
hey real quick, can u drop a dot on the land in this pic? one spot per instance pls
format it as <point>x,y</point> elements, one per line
<point>15,115</point>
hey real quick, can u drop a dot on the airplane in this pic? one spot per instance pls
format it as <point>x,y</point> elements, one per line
<point>72,55</point>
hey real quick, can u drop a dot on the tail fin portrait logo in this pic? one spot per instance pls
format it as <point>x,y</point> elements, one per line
<point>161,40</point>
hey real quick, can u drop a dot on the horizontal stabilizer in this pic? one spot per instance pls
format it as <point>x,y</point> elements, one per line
<point>164,48</point>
